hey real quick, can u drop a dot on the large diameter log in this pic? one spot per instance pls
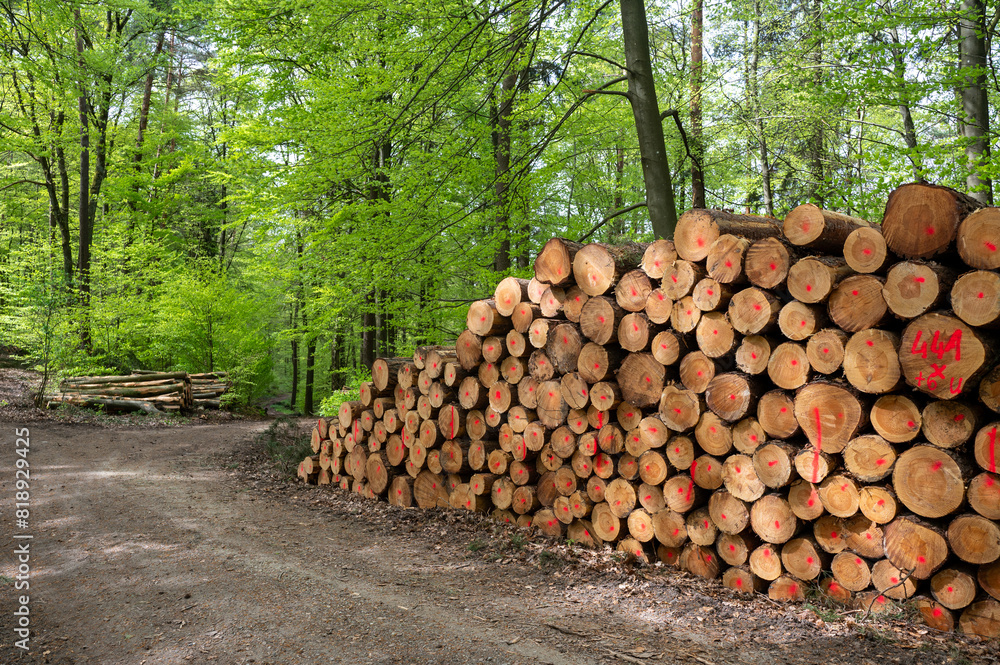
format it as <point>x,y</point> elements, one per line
<point>509,293</point>
<point>825,231</point>
<point>984,495</point>
<point>724,262</point>
<point>913,288</point>
<point>714,334</point>
<point>825,350</point>
<point>896,418</point>
<point>922,220</point>
<point>865,250</point>
<point>929,481</point>
<point>753,310</point>
<point>788,366</point>
<point>978,239</point>
<point>869,458</point>
<point>798,321</point>
<point>975,298</point>
<point>767,262</point>
<point>731,395</point>
<point>974,539</point>
<point>857,303</point>
<point>698,229</point>
<point>828,414</point>
<point>871,361</point>
<point>657,256</point>
<point>915,546</point>
<point>773,520</point>
<point>469,347</point>
<point>640,379</point>
<point>386,370</point>
<point>985,448</point>
<point>940,355</point>
<point>981,618</point>
<point>776,414</point>
<point>812,279</point>
<point>554,263</point>
<point>754,353</point>
<point>599,319</point>
<point>633,290</point>
<point>484,320</point>
<point>685,315</point>
<point>659,306</point>
<point>596,267</point>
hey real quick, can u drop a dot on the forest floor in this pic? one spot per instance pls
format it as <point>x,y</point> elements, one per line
<point>184,542</point>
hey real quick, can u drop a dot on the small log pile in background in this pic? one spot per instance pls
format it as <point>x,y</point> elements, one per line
<point>774,403</point>
<point>143,391</point>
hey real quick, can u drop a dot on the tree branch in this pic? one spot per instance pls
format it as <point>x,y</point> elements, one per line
<point>680,128</point>
<point>22,182</point>
<point>599,57</point>
<point>607,219</point>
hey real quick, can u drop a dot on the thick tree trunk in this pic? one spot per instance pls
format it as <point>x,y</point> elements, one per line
<point>697,146</point>
<point>85,219</point>
<point>975,112</point>
<point>646,111</point>
<point>293,323</point>
<point>501,185</point>
<point>765,164</point>
<point>368,331</point>
<point>307,405</point>
<point>909,129</point>
<point>814,142</point>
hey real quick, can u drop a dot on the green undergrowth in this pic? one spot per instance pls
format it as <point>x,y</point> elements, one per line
<point>285,444</point>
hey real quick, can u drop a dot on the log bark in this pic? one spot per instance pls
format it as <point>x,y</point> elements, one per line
<point>810,226</point>
<point>698,229</point>
<point>978,239</point>
<point>921,220</point>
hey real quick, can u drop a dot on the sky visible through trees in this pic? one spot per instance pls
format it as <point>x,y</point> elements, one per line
<point>265,187</point>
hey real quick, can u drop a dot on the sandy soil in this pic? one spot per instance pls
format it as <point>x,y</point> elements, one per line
<point>184,545</point>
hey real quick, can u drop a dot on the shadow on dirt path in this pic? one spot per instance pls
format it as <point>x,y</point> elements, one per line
<point>158,546</point>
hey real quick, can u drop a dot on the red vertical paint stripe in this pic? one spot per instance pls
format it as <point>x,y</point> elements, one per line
<point>993,450</point>
<point>819,445</point>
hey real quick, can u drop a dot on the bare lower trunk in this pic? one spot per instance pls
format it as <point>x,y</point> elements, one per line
<point>646,112</point>
<point>697,149</point>
<point>975,124</point>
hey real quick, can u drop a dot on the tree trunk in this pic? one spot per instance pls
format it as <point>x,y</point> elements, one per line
<point>697,149</point>
<point>85,220</point>
<point>909,130</point>
<point>765,165</point>
<point>501,184</point>
<point>645,110</point>
<point>307,405</point>
<point>814,142</point>
<point>975,112</point>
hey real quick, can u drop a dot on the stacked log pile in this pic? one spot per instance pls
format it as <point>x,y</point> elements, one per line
<point>143,391</point>
<point>776,404</point>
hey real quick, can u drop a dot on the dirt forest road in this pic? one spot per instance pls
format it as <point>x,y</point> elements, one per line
<point>175,546</point>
